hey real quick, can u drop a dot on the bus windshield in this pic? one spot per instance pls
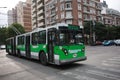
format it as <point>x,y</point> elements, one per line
<point>70,37</point>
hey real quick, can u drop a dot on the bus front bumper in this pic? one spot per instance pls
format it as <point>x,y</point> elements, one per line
<point>61,62</point>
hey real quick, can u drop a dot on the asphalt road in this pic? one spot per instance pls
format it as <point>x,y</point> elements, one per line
<point>103,63</point>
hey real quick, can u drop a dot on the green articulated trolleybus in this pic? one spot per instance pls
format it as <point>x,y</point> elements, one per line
<point>58,44</point>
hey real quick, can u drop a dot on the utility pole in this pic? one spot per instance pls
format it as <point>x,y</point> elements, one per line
<point>94,38</point>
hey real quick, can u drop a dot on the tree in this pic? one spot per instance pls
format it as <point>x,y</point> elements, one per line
<point>98,28</point>
<point>11,31</point>
<point>2,35</point>
<point>117,32</point>
<point>100,31</point>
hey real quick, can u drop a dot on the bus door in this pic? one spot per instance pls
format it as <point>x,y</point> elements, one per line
<point>14,46</point>
<point>27,46</point>
<point>51,38</point>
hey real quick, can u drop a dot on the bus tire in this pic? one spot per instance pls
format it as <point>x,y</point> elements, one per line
<point>18,53</point>
<point>43,58</point>
<point>9,52</point>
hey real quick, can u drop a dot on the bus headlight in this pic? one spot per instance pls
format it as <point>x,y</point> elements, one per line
<point>65,51</point>
<point>83,49</point>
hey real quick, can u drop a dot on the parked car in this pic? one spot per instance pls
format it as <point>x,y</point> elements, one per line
<point>2,46</point>
<point>98,43</point>
<point>108,42</point>
<point>117,42</point>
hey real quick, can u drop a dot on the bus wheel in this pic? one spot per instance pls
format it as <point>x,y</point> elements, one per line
<point>18,53</point>
<point>9,52</point>
<point>43,58</point>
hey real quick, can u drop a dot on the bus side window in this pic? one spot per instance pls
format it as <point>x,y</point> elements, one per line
<point>42,37</point>
<point>35,38</point>
<point>21,40</point>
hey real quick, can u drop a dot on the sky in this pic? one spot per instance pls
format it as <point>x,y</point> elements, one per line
<point>9,4</point>
<point>115,4</point>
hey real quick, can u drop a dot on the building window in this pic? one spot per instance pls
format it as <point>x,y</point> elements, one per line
<point>92,3</point>
<point>61,0</point>
<point>62,7</point>
<point>92,11</point>
<point>79,0</point>
<point>56,16</point>
<point>56,1</point>
<point>108,21</point>
<point>85,16</point>
<point>68,5</point>
<point>84,1</point>
<point>80,22</point>
<point>62,15</point>
<point>56,8</point>
<point>79,6</point>
<point>79,14</point>
<point>69,21</point>
<point>68,14</point>
<point>85,9</point>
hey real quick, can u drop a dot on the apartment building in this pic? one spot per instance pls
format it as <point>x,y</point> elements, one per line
<point>50,12</point>
<point>24,14</point>
<point>12,16</point>
<point>110,16</point>
<point>92,10</point>
<point>38,16</point>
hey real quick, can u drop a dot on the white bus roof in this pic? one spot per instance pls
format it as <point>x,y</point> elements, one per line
<point>41,29</point>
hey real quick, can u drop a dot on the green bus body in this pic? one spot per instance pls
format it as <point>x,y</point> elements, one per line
<point>59,44</point>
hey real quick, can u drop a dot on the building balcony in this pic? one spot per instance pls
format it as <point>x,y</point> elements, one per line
<point>80,17</point>
<point>39,6</point>
<point>99,15</point>
<point>85,11</point>
<point>78,0</point>
<point>33,4</point>
<point>86,4</point>
<point>79,8</point>
<point>39,1</point>
<point>33,15</point>
<point>40,18</point>
<point>99,8</point>
<point>69,17</point>
<point>53,6</point>
<point>52,22</point>
<point>96,1</point>
<point>41,24</point>
<point>33,20</point>
<point>40,12</point>
<point>53,14</point>
<point>68,9</point>
<point>87,19</point>
<point>33,9</point>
